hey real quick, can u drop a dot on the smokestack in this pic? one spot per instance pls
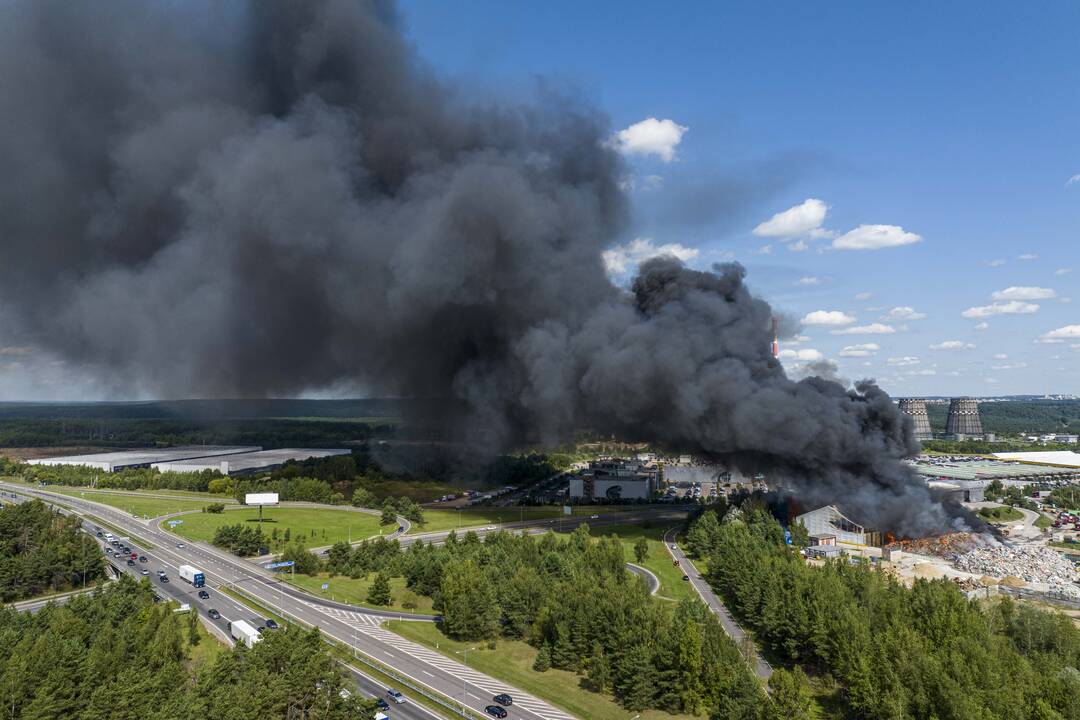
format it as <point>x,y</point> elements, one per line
<point>776,337</point>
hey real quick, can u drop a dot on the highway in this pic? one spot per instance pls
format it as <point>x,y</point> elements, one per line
<point>360,630</point>
<point>759,665</point>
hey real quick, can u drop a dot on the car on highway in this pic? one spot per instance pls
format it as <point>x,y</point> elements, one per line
<point>180,546</point>
<point>495,711</point>
<point>203,595</point>
<point>503,699</point>
<point>271,625</point>
<point>142,558</point>
<point>144,572</point>
<point>382,704</point>
<point>163,578</point>
<point>594,517</point>
<point>395,696</point>
<point>130,562</point>
<point>685,577</point>
<point>213,614</point>
<point>100,534</point>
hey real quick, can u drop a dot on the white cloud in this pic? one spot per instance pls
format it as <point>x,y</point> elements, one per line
<point>982,326</point>
<point>795,221</point>
<point>1027,256</point>
<point>863,296</point>
<point>1024,293</point>
<point>921,371</point>
<point>622,258</point>
<point>1063,271</point>
<point>798,246</point>
<point>1009,366</point>
<point>802,355</point>
<point>827,317</point>
<point>996,263</point>
<point>874,237</point>
<point>906,313</point>
<point>764,250</point>
<point>650,137</point>
<point>863,350</point>
<point>797,340</point>
<point>952,345</point>
<point>903,361</point>
<point>808,280</point>
<point>871,329</point>
<point>1068,332</point>
<point>1013,307</point>
<point>1073,179</point>
<point>1001,356</point>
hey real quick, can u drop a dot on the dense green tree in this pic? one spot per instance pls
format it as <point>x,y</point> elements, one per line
<point>362,497</point>
<point>641,550</point>
<point>379,592</point>
<point>468,602</point>
<point>790,697</point>
<point>389,515</point>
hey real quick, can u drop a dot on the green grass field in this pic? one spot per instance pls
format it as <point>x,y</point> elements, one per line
<point>355,591</point>
<point>511,661</point>
<point>135,504</point>
<point>1001,513</point>
<point>672,586</point>
<point>317,526</point>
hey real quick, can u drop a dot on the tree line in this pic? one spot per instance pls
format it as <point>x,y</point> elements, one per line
<point>881,649</point>
<point>116,655</point>
<point>42,551</point>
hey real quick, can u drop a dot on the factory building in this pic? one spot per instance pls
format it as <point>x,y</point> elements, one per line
<point>829,523</point>
<point>963,422</point>
<point>615,479</point>
<point>120,460</point>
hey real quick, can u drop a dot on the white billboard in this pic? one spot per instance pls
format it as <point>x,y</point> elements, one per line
<point>261,499</point>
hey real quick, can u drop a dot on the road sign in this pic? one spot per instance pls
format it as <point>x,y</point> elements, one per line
<point>567,510</point>
<point>275,565</point>
<point>174,523</point>
<point>326,586</point>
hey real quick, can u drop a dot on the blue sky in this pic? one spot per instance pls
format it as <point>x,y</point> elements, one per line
<point>952,123</point>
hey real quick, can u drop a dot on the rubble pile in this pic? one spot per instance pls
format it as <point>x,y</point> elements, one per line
<point>1031,564</point>
<point>944,546</point>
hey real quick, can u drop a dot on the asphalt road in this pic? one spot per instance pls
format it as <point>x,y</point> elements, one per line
<point>357,629</point>
<point>760,666</point>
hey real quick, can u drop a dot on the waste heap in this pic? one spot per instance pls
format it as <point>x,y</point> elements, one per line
<point>1031,564</point>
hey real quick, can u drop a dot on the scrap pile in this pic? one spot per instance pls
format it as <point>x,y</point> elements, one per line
<point>945,546</point>
<point>1031,564</point>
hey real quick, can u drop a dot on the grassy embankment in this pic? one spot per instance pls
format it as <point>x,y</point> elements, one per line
<point>316,526</point>
<point>1000,513</point>
<point>354,591</point>
<point>437,520</point>
<point>672,586</point>
<point>511,661</point>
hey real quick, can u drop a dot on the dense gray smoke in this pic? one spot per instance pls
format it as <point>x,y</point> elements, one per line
<point>246,201</point>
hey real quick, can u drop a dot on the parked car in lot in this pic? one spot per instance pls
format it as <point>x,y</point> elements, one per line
<point>213,614</point>
<point>495,711</point>
<point>395,696</point>
<point>203,595</point>
<point>503,699</point>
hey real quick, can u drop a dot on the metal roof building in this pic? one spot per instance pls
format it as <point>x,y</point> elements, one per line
<point>238,464</point>
<point>829,520</point>
<point>143,458</point>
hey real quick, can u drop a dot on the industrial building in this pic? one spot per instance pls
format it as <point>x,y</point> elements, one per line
<point>112,461</point>
<point>915,408</point>
<point>1063,458</point>
<point>828,523</point>
<point>963,421</point>
<point>615,479</point>
<point>248,462</point>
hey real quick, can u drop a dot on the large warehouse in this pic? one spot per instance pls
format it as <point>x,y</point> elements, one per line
<point>828,521</point>
<point>247,462</point>
<point>143,458</point>
<point>615,479</point>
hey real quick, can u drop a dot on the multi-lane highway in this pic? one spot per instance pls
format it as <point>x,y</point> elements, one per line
<point>358,629</point>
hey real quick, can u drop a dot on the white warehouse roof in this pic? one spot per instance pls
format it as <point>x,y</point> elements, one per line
<point>248,461</point>
<point>146,457</point>
<point>1050,457</point>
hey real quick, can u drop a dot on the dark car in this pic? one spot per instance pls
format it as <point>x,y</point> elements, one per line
<point>503,699</point>
<point>131,562</point>
<point>203,595</point>
<point>271,625</point>
<point>142,558</point>
<point>261,629</point>
<point>213,614</point>
<point>163,578</point>
<point>99,534</point>
<point>685,577</point>
<point>382,704</point>
<point>495,711</point>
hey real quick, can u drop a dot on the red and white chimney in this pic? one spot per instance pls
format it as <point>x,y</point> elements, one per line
<point>775,338</point>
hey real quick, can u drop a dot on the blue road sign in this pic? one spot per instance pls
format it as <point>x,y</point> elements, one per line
<point>275,565</point>
<point>326,586</point>
<point>176,522</point>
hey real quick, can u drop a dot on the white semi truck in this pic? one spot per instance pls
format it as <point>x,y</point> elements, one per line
<point>241,631</point>
<point>193,575</point>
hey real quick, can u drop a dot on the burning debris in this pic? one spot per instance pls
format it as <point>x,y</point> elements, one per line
<point>947,546</point>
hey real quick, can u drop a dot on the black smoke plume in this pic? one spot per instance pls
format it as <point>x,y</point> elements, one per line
<point>217,199</point>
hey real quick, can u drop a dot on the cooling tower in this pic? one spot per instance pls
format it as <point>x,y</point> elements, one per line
<point>963,418</point>
<point>916,409</point>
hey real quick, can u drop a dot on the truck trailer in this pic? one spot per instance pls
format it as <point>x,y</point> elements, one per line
<point>193,575</point>
<point>241,631</point>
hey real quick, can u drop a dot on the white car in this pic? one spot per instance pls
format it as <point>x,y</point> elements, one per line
<point>395,696</point>
<point>594,517</point>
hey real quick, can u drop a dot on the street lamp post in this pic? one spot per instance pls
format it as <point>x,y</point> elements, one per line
<point>464,694</point>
